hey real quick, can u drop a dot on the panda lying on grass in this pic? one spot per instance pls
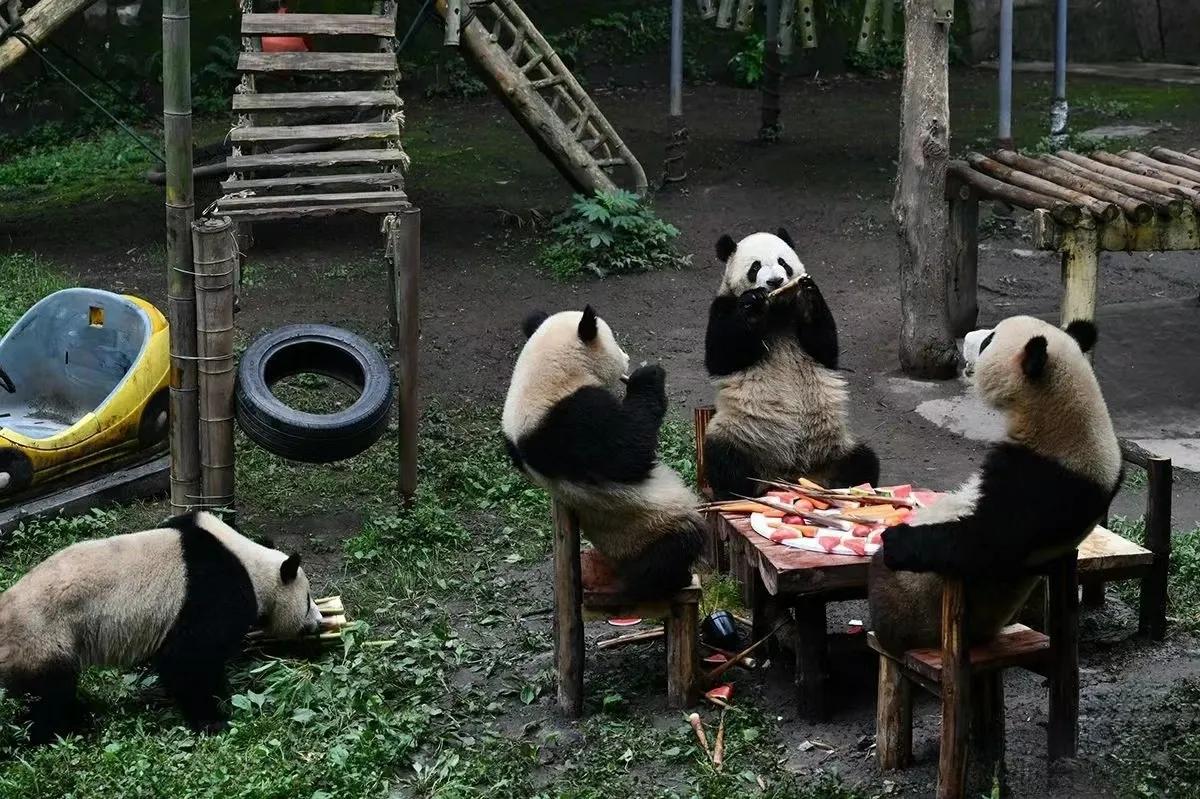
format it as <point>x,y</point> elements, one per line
<point>181,597</point>
<point>781,405</point>
<point>570,430</point>
<point>1037,496</point>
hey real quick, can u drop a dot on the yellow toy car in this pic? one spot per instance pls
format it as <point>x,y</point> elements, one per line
<point>83,380</point>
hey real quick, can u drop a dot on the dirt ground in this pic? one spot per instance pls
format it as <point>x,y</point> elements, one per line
<point>829,182</point>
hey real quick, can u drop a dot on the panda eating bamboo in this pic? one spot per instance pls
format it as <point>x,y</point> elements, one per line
<point>180,597</point>
<point>772,352</point>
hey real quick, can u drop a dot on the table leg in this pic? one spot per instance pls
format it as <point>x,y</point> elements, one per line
<point>811,656</point>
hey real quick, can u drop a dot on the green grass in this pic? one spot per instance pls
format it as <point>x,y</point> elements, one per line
<point>440,691</point>
<point>26,279</point>
<point>1183,581</point>
<point>1164,762</point>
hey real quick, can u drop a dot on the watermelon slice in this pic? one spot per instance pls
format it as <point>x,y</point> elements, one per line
<point>900,492</point>
<point>722,693</point>
<point>856,545</point>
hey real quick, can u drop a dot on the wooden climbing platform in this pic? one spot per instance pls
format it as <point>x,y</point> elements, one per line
<point>541,93</point>
<point>318,130</point>
<point>1083,205</point>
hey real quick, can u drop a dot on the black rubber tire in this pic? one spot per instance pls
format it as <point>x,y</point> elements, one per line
<point>17,464</point>
<point>317,349</point>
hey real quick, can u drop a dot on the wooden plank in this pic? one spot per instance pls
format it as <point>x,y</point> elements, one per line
<point>893,717</point>
<point>378,157</point>
<point>303,181</point>
<point>568,603</point>
<point>962,248</point>
<point>318,25</point>
<point>1062,623</point>
<point>987,733</point>
<point>1152,620</point>
<point>681,626</point>
<point>404,240</point>
<point>282,101</point>
<point>1103,550</point>
<point>278,201</point>
<point>1016,645</point>
<point>301,211</point>
<point>811,657</point>
<point>316,62</point>
<point>618,603</point>
<point>145,479</point>
<point>299,133</point>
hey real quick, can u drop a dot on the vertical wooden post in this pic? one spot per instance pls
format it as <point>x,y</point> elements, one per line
<point>963,249</point>
<point>1093,594</point>
<point>1080,273</point>
<point>987,732</point>
<point>919,205</point>
<point>568,611</point>
<point>810,657</point>
<point>681,628</point>
<point>893,717</point>
<point>745,15</point>
<point>808,25</point>
<point>404,241</point>
<point>1062,625</point>
<point>181,292</point>
<point>215,259</point>
<point>1152,617</point>
<point>956,689</point>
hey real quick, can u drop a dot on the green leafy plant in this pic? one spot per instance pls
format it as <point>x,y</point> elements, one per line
<point>882,57</point>
<point>749,63</point>
<point>610,233</point>
<point>214,82</point>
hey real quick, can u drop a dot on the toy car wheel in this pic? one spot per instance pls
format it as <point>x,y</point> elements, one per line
<point>313,349</point>
<point>152,428</point>
<point>16,472</point>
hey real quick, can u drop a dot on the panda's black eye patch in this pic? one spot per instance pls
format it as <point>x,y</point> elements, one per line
<point>787,269</point>
<point>984,345</point>
<point>752,275</point>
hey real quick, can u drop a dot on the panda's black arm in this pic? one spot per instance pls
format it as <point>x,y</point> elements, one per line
<point>815,326</point>
<point>734,342</point>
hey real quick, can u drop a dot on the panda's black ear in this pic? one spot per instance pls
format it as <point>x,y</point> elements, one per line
<point>1033,362</point>
<point>726,247</point>
<point>587,325</point>
<point>783,234</point>
<point>290,568</point>
<point>1083,331</point>
<point>533,322</point>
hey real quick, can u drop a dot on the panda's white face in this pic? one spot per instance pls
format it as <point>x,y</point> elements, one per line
<point>761,260</point>
<point>292,611</point>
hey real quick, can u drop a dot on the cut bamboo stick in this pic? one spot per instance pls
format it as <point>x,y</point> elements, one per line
<point>1102,210</point>
<point>1135,210</point>
<point>632,638</point>
<point>713,675</point>
<point>1065,213</point>
<point>1170,206</point>
<point>718,755</point>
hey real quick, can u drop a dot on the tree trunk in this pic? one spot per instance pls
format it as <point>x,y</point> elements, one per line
<point>926,344</point>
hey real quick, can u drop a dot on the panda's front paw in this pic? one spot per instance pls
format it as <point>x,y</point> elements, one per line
<point>649,382</point>
<point>900,549</point>
<point>753,302</point>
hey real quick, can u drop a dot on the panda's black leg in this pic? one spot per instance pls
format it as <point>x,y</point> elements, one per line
<point>196,686</point>
<point>55,708</point>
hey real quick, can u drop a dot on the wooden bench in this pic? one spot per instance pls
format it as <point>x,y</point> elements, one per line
<point>1083,205</point>
<point>572,603</point>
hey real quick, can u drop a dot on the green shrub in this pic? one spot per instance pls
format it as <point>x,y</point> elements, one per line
<point>880,58</point>
<point>749,63</point>
<point>610,233</point>
<point>26,280</point>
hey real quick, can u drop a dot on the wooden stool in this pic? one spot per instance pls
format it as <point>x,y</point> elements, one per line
<point>680,614</point>
<point>970,684</point>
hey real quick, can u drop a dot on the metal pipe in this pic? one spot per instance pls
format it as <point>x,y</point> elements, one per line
<point>1004,122</point>
<point>676,58</point>
<point>1058,106</point>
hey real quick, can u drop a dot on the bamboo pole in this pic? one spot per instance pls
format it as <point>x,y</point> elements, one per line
<point>889,21</point>
<point>725,13</point>
<point>215,257</point>
<point>808,25</point>
<point>866,34</point>
<point>787,28</point>
<point>708,8</point>
<point>181,292</point>
<point>453,16</point>
<point>745,15</point>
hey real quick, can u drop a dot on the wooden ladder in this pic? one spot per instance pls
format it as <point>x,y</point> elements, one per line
<point>542,94</point>
<point>352,160</point>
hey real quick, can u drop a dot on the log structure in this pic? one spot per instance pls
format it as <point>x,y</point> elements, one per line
<point>545,98</point>
<point>1083,205</point>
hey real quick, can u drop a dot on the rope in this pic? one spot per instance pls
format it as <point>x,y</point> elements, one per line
<point>417,23</point>
<point>33,48</point>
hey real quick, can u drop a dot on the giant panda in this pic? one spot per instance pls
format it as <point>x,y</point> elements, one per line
<point>569,429</point>
<point>1037,495</point>
<point>780,403</point>
<point>180,597</point>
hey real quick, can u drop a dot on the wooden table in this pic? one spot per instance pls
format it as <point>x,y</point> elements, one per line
<point>806,581</point>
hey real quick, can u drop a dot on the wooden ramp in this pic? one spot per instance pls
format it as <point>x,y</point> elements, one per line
<point>318,132</point>
<point>541,93</point>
